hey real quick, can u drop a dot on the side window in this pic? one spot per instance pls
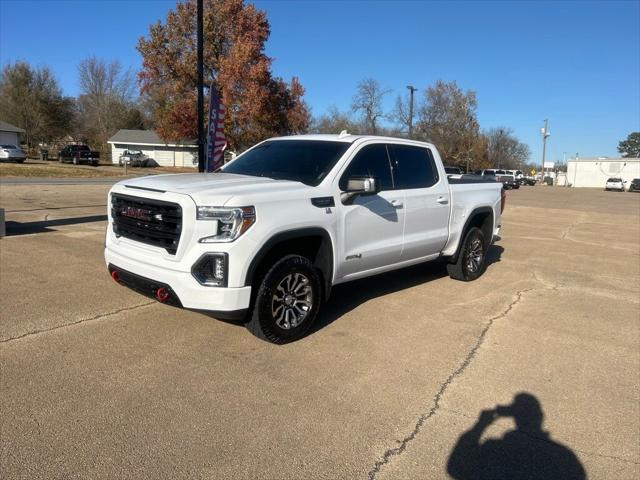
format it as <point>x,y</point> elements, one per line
<point>414,167</point>
<point>371,161</point>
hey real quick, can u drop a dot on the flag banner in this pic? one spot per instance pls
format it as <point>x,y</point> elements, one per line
<point>216,141</point>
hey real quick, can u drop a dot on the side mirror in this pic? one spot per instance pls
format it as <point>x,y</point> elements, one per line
<point>359,186</point>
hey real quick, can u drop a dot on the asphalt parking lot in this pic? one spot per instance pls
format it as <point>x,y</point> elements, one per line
<point>99,382</point>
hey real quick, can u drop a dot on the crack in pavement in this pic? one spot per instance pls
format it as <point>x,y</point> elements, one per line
<point>392,452</point>
<point>82,320</point>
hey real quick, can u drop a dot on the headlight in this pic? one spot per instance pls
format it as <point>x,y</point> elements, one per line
<point>230,222</point>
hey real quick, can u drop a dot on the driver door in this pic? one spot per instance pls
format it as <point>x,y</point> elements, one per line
<point>372,224</point>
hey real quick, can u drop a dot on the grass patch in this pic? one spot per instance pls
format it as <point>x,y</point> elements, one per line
<point>53,170</point>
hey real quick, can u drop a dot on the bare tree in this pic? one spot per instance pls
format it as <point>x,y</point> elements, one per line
<point>367,103</point>
<point>106,102</point>
<point>334,121</point>
<point>505,150</point>
<point>31,99</point>
<point>447,117</point>
<point>401,114</point>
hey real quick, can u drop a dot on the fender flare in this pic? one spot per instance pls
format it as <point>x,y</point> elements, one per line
<point>323,261</point>
<point>475,212</point>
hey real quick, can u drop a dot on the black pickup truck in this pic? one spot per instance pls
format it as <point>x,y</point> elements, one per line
<point>78,154</point>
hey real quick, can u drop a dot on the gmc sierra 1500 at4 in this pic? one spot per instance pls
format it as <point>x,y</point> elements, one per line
<point>266,237</point>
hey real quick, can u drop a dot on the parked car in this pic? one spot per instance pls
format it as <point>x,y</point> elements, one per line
<point>517,174</point>
<point>615,183</point>
<point>266,238</point>
<point>634,186</point>
<point>133,158</point>
<point>528,180</point>
<point>12,153</point>
<point>508,181</point>
<point>78,154</point>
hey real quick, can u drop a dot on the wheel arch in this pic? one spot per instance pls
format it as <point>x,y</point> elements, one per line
<point>481,217</point>
<point>312,242</point>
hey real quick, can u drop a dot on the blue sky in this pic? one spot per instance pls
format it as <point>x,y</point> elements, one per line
<point>576,63</point>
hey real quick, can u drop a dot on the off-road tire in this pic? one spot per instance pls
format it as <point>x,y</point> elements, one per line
<point>261,321</point>
<point>460,269</point>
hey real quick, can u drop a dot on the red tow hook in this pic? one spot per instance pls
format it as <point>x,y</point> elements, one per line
<point>162,295</point>
<point>115,276</point>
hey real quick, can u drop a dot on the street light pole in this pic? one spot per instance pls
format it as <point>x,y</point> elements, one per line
<point>545,133</point>
<point>411,90</point>
<point>201,159</point>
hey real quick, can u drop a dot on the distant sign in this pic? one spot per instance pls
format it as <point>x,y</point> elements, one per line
<point>549,165</point>
<point>533,171</point>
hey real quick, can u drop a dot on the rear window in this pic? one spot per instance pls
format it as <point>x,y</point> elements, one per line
<point>414,167</point>
<point>8,146</point>
<point>615,180</point>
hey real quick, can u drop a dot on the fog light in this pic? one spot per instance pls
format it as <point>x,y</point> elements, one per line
<point>211,269</point>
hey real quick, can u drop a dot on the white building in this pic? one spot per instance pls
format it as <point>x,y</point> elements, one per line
<point>10,134</point>
<point>594,172</point>
<point>183,154</point>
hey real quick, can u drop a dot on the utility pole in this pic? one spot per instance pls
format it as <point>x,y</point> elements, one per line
<point>201,159</point>
<point>411,90</point>
<point>545,133</point>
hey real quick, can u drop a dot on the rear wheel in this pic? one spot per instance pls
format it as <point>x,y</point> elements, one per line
<point>471,262</point>
<point>287,302</point>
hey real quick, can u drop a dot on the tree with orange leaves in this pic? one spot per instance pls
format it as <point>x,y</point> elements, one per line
<point>258,105</point>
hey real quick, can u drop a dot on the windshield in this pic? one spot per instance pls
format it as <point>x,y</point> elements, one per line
<point>306,161</point>
<point>8,146</point>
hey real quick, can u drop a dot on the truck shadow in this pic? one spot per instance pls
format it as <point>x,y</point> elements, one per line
<point>348,296</point>
<point>25,228</point>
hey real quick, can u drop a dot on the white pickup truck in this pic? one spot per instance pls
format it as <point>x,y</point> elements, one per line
<point>264,239</point>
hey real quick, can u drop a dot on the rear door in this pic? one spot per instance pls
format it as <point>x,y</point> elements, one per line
<point>372,225</point>
<point>426,200</point>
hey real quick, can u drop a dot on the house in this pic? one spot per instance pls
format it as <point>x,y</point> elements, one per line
<point>594,172</point>
<point>9,134</point>
<point>182,154</point>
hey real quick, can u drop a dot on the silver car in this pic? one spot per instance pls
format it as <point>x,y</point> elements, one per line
<point>133,158</point>
<point>11,153</point>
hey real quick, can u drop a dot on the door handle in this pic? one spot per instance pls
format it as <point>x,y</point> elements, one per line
<point>397,204</point>
<point>442,200</point>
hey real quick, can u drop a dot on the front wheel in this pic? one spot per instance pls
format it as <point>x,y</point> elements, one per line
<point>287,302</point>
<point>471,262</point>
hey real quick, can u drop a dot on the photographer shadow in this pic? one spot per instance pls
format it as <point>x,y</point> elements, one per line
<point>528,452</point>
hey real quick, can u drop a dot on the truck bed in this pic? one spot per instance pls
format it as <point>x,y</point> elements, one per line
<point>470,192</point>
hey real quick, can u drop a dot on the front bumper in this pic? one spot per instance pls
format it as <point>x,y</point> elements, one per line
<point>222,302</point>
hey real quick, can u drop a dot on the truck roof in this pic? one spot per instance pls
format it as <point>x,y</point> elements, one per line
<point>347,138</point>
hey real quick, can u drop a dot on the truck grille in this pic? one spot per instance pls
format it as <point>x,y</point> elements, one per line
<point>148,221</point>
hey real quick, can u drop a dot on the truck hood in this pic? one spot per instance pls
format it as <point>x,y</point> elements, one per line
<point>214,188</point>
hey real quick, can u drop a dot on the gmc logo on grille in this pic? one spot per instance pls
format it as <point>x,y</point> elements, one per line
<point>137,213</point>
